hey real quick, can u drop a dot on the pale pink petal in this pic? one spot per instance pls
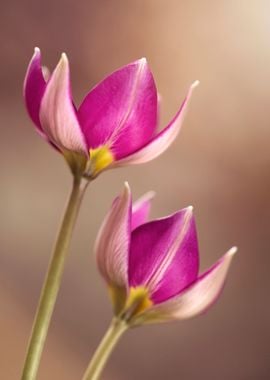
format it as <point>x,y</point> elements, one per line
<point>46,73</point>
<point>141,210</point>
<point>198,297</point>
<point>161,141</point>
<point>57,113</point>
<point>113,240</point>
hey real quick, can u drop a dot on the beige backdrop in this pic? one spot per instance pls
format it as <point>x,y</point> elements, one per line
<point>219,163</point>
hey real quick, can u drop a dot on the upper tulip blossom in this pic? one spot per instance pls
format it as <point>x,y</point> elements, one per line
<point>115,125</point>
<point>151,268</point>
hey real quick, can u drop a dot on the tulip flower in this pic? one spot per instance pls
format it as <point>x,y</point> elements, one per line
<point>115,125</point>
<point>151,269</point>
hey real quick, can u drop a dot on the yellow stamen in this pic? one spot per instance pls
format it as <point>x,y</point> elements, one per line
<point>100,158</point>
<point>137,301</point>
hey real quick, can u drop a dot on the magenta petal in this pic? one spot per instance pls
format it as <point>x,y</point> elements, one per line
<point>162,140</point>
<point>141,210</point>
<point>113,240</point>
<point>183,269</point>
<point>199,296</point>
<point>34,87</point>
<point>57,113</point>
<point>121,111</point>
<point>164,255</point>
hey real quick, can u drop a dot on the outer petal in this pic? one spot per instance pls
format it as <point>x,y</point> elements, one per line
<point>57,113</point>
<point>162,140</point>
<point>112,244</point>
<point>196,298</point>
<point>34,87</point>
<point>141,210</point>
<point>121,111</point>
<point>164,255</point>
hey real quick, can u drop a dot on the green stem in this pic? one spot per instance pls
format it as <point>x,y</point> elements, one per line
<point>52,282</point>
<point>109,341</point>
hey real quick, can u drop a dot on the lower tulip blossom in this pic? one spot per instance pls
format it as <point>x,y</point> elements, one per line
<point>115,125</point>
<point>151,268</point>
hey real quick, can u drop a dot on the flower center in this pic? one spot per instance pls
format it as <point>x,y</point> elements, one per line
<point>100,158</point>
<point>137,302</point>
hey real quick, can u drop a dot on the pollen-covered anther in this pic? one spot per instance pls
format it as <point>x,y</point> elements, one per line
<point>137,302</point>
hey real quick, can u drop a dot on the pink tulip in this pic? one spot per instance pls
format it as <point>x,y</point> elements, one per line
<point>151,268</point>
<point>115,125</point>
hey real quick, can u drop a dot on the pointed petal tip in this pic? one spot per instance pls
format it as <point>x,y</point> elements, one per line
<point>63,61</point>
<point>195,84</point>
<point>188,211</point>
<point>33,88</point>
<point>141,209</point>
<point>64,57</point>
<point>126,191</point>
<point>62,64</point>
<point>184,215</point>
<point>46,73</point>
<point>126,185</point>
<point>36,55</point>
<point>141,62</point>
<point>232,251</point>
<point>150,195</point>
<point>191,88</point>
<point>144,198</point>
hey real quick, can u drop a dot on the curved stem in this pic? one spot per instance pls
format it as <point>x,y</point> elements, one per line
<point>105,348</point>
<point>52,282</point>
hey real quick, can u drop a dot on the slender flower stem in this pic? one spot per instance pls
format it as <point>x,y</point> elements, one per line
<point>52,282</point>
<point>105,348</point>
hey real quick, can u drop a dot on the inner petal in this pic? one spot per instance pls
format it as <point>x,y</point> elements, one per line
<point>183,269</point>
<point>164,255</point>
<point>121,111</point>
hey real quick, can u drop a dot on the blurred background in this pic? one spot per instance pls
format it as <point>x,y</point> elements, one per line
<point>219,163</point>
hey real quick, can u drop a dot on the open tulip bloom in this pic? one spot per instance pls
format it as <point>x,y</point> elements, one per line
<point>115,125</point>
<point>151,268</point>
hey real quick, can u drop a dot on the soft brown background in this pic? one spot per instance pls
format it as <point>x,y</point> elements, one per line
<point>219,163</point>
